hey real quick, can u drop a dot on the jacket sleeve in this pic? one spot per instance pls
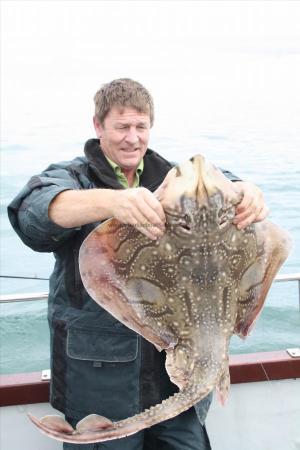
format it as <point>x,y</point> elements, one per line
<point>230,175</point>
<point>28,212</point>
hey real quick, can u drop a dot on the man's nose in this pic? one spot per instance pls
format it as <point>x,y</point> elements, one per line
<point>132,136</point>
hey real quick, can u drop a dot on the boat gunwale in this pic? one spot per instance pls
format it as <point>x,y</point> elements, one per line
<point>29,388</point>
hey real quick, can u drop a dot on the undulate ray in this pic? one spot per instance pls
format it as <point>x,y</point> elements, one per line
<point>187,293</point>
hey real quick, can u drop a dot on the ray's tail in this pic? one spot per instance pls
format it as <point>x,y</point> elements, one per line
<point>96,428</point>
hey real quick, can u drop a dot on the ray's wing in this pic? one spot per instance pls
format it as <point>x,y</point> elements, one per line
<point>120,278</point>
<point>273,246</point>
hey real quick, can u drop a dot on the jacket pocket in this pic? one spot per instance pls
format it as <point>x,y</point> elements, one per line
<point>104,345</point>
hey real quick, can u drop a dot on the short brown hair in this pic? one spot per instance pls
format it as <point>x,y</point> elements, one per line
<point>123,92</point>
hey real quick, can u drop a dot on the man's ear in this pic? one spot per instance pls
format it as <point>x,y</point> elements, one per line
<point>98,127</point>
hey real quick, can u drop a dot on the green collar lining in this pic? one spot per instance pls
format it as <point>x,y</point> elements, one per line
<point>121,177</point>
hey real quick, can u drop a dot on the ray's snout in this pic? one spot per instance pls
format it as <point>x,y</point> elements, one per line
<point>196,179</point>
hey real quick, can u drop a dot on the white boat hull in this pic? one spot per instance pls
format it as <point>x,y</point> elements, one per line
<point>258,416</point>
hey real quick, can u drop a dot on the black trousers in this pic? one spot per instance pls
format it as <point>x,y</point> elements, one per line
<point>183,432</point>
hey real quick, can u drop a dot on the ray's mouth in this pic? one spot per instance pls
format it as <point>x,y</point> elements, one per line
<point>223,221</point>
<point>183,222</point>
<point>184,227</point>
<point>186,223</point>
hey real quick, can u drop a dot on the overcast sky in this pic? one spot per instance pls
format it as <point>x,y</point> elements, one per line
<point>210,65</point>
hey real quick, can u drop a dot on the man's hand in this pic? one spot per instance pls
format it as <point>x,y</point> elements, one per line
<point>140,208</point>
<point>252,207</point>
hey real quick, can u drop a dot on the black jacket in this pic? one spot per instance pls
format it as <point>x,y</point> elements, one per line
<point>97,364</point>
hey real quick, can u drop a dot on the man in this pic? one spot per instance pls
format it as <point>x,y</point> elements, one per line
<point>98,365</point>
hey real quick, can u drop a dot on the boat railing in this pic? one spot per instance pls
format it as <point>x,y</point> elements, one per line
<point>36,296</point>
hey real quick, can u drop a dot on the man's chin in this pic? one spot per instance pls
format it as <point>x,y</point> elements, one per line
<point>131,159</point>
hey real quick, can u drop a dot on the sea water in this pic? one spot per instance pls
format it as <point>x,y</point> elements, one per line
<point>24,329</point>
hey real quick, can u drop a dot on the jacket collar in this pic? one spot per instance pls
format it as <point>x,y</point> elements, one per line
<point>155,167</point>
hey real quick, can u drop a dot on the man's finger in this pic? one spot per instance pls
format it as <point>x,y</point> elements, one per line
<point>245,223</point>
<point>150,215</point>
<point>264,212</point>
<point>240,216</point>
<point>246,203</point>
<point>155,205</point>
<point>140,221</point>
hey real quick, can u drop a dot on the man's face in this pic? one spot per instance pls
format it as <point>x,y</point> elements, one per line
<point>124,136</point>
